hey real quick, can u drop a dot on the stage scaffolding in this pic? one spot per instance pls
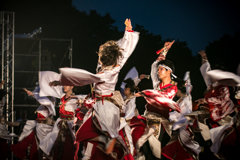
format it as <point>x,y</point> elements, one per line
<point>17,65</point>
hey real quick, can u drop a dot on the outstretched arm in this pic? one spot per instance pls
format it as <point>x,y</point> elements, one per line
<point>205,68</point>
<point>127,43</point>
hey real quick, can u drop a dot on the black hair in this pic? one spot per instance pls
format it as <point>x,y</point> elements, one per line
<point>167,63</point>
<point>181,85</point>
<point>130,84</point>
<point>110,53</point>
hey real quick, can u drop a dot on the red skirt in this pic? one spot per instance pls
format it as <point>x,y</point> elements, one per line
<point>176,151</point>
<point>20,148</point>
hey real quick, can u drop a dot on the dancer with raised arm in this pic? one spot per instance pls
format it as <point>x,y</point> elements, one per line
<point>225,134</point>
<point>36,130</point>
<point>102,127</point>
<point>60,142</point>
<point>152,131</point>
<point>182,144</point>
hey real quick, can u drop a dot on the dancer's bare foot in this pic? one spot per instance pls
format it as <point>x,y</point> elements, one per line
<point>110,146</point>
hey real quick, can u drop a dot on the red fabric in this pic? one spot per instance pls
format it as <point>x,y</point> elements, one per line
<point>80,115</point>
<point>159,51</point>
<point>40,116</point>
<point>137,129</point>
<point>170,150</point>
<point>87,131</point>
<point>230,145</point>
<point>128,156</point>
<point>142,118</point>
<point>161,102</point>
<point>5,150</point>
<point>238,101</point>
<point>62,108</point>
<point>20,148</point>
<point>129,30</point>
<point>97,153</point>
<point>219,102</point>
<point>102,96</point>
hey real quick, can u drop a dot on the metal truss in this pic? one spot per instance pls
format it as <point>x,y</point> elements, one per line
<point>7,53</point>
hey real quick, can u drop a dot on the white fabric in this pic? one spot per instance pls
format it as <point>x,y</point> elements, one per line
<point>27,129</point>
<point>224,78</point>
<point>188,82</point>
<point>45,77</point>
<point>42,130</point>
<point>204,69</point>
<point>47,143</point>
<point>155,146</point>
<point>108,116</point>
<point>127,129</point>
<point>71,104</point>
<point>217,136</point>
<point>43,111</point>
<point>130,106</point>
<point>44,101</point>
<point>77,77</point>
<point>133,74</point>
<point>88,152</point>
<point>154,75</point>
<point>184,135</point>
<point>186,107</point>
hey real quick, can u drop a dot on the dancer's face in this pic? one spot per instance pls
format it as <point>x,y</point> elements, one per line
<point>127,91</point>
<point>67,88</point>
<point>163,73</point>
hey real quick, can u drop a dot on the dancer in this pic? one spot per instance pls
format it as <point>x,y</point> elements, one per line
<point>225,137</point>
<point>217,101</point>
<point>182,144</point>
<point>106,112</point>
<point>35,130</point>
<point>216,97</point>
<point>60,142</point>
<point>153,131</point>
<point>129,110</point>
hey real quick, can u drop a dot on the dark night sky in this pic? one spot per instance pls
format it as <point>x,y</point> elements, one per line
<point>197,22</point>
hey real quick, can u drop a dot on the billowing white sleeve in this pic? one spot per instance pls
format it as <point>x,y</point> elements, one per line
<point>45,77</point>
<point>188,83</point>
<point>128,44</point>
<point>154,74</point>
<point>78,77</point>
<point>204,69</point>
<point>44,101</point>
<point>136,81</point>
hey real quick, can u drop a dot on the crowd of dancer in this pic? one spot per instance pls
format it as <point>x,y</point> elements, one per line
<point>110,126</point>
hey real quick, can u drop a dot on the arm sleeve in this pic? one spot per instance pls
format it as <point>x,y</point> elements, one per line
<point>204,69</point>
<point>44,101</point>
<point>45,77</point>
<point>128,44</point>
<point>154,74</point>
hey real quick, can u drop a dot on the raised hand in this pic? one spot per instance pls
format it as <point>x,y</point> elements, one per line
<point>28,92</point>
<point>128,24</point>
<point>168,45</point>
